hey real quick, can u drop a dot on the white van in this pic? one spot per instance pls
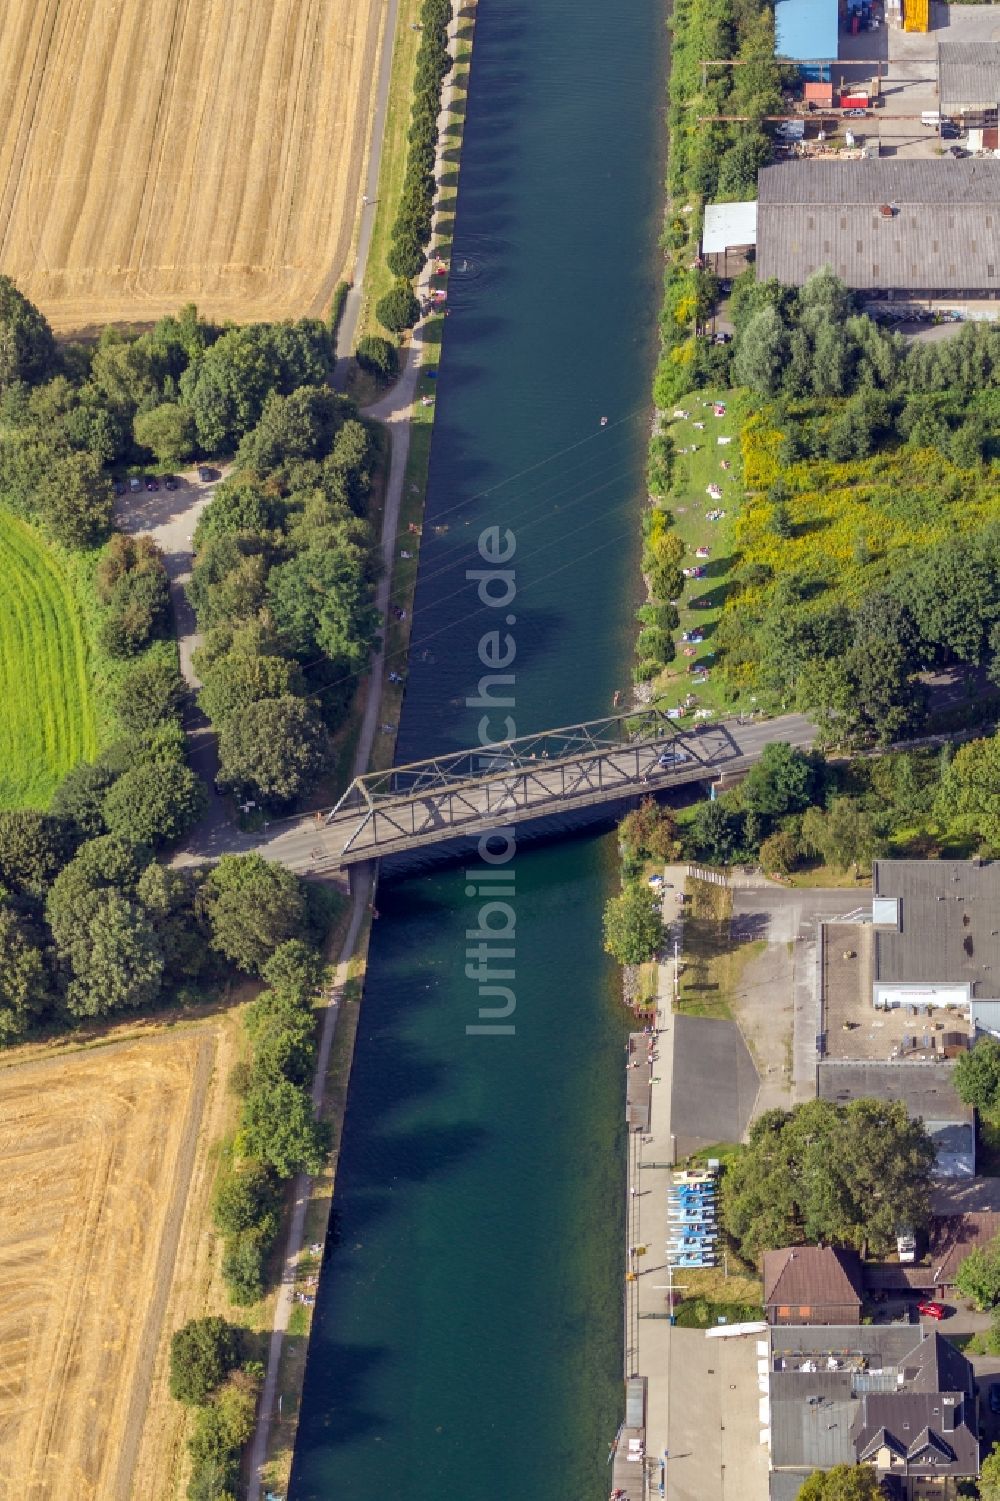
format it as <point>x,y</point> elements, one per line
<point>931,117</point>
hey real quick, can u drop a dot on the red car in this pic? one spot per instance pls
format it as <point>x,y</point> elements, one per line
<point>931,1310</point>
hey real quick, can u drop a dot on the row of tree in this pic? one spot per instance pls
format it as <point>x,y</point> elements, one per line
<point>411,231</point>
<point>282,587</point>
<point>815,341</point>
<point>278,1134</point>
<point>209,1371</point>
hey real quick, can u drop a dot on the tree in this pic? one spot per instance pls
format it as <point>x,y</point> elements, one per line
<point>322,599</point>
<point>240,504</point>
<point>168,895</point>
<point>970,789</point>
<point>716,833</point>
<point>844,835</point>
<point>779,853</point>
<point>989,1476</point>
<point>649,830</point>
<point>843,1483</point>
<point>846,1175</point>
<point>377,356</point>
<point>242,678</point>
<point>301,425</point>
<point>976,1077</point>
<point>147,695</point>
<point>79,798</point>
<point>75,500</point>
<point>168,431</point>
<point>25,983</point>
<point>243,1266</point>
<point>782,781</point>
<point>398,309</point>
<point>155,805</point>
<point>274,751</point>
<point>27,347</point>
<point>245,1199</point>
<point>115,960</point>
<point>252,907</point>
<point>978,1277</point>
<point>760,351</point>
<point>225,389</point>
<point>633,929</point>
<point>279,1128</point>
<point>34,847</point>
<point>202,1354</point>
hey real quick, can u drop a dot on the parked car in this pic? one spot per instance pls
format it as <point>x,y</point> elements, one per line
<point>135,483</point>
<point>152,483</point>
<point>120,487</point>
<point>204,474</point>
<point>994,1396</point>
<point>930,1310</point>
<point>169,482</point>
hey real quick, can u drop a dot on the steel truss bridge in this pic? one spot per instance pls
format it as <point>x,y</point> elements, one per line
<point>471,792</point>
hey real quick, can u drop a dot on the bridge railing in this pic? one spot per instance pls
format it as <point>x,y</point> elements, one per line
<point>569,742</point>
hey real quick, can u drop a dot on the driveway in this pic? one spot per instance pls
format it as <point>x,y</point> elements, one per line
<point>170,517</point>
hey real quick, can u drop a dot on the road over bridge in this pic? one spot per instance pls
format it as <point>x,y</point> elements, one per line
<point>470,792</point>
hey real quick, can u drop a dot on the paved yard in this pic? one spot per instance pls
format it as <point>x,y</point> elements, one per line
<point>787,918</point>
<point>715,1448</point>
<point>714,1083</point>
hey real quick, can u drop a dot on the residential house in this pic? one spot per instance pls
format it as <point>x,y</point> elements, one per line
<point>812,1285</point>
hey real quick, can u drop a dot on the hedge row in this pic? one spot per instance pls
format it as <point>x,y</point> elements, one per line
<point>278,1134</point>
<point>411,232</point>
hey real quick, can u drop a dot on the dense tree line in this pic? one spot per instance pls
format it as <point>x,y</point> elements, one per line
<point>91,925</point>
<point>411,231</point>
<point>283,590</point>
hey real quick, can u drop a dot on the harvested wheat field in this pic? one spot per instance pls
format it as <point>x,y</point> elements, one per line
<point>187,150</point>
<point>102,1248</point>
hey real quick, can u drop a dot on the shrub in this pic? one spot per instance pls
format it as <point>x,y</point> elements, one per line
<point>201,1356</point>
<point>398,309</point>
<point>378,357</point>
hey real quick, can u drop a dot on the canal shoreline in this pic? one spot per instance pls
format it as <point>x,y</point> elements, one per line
<point>273,1445</point>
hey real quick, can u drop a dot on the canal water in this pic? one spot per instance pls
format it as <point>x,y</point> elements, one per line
<point>468,1340</point>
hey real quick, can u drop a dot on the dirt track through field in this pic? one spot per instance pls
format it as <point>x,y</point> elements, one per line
<point>187,150</point>
<point>98,1151</point>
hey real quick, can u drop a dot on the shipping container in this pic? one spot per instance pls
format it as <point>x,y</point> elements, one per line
<point>916,15</point>
<point>820,94</point>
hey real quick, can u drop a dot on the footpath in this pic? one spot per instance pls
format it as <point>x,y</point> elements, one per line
<point>701,1439</point>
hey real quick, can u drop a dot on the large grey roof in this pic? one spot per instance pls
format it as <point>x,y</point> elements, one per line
<point>926,1089</point>
<point>942,232</point>
<point>949,913</point>
<point>968,75</point>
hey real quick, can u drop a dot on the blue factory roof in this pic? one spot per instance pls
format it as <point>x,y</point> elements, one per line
<point>805,28</point>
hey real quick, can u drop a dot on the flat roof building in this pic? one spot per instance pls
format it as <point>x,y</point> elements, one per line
<point>889,225</point>
<point>937,925</point>
<point>968,78</point>
<point>807,29</point>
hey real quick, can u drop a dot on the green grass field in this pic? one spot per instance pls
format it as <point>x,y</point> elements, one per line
<point>47,720</point>
<point>690,504</point>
